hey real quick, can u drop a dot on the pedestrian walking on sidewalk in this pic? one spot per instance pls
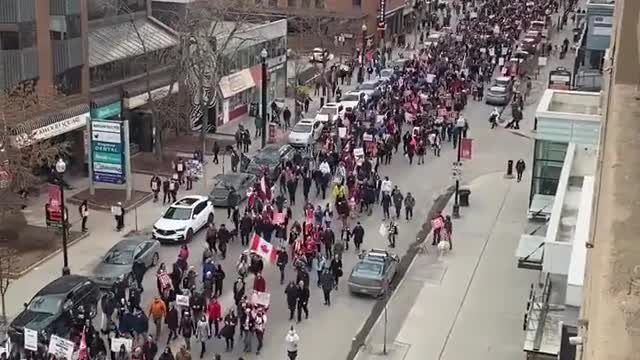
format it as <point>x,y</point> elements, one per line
<point>118,213</point>
<point>166,193</point>
<point>216,151</point>
<point>84,214</point>
<point>291,340</point>
<point>286,116</point>
<point>155,185</point>
<point>520,166</point>
<point>328,283</point>
<point>448,228</point>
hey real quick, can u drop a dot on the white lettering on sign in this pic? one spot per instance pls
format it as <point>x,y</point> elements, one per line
<point>51,130</point>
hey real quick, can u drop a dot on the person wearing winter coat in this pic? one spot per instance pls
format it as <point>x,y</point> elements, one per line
<point>336,270</point>
<point>291,292</point>
<point>122,353</point>
<point>186,329</point>
<point>157,311</point>
<point>203,334</point>
<point>327,281</point>
<point>358,235</point>
<point>229,329</point>
<point>409,203</point>
<point>303,301</point>
<point>291,341</point>
<point>259,283</point>
<point>214,312</point>
<point>183,354</point>
<point>397,197</point>
<point>281,262</point>
<point>218,280</point>
<point>171,319</point>
<point>166,354</point>
<point>149,348</point>
<point>318,263</point>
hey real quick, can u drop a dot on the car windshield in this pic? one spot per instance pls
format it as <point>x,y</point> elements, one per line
<point>368,268</point>
<point>367,86</point>
<point>302,128</point>
<point>117,257</point>
<point>48,304</point>
<point>176,213</point>
<point>328,111</point>
<point>350,97</point>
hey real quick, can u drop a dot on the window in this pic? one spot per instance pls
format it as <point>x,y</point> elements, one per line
<point>292,3</point>
<point>273,3</point>
<point>319,4</point>
<point>356,3</point>
<point>198,209</point>
<point>9,40</point>
<point>73,26</point>
<point>306,3</point>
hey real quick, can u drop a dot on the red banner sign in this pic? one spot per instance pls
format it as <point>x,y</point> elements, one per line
<point>465,148</point>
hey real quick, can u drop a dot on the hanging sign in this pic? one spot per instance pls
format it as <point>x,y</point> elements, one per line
<point>465,148</point>
<point>382,15</point>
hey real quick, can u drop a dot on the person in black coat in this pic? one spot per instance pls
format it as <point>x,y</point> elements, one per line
<point>358,235</point>
<point>303,301</point>
<point>291,291</point>
<point>138,271</point>
<point>336,269</point>
<point>171,319</point>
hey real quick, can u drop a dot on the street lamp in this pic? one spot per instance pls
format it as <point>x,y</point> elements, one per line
<point>263,56</point>
<point>364,45</point>
<point>61,167</point>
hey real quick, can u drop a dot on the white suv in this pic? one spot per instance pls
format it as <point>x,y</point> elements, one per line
<point>183,219</point>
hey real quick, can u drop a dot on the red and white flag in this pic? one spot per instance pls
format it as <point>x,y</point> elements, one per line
<point>263,185</point>
<point>83,354</point>
<point>264,248</point>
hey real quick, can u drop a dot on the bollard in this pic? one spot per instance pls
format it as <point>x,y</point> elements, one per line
<point>509,174</point>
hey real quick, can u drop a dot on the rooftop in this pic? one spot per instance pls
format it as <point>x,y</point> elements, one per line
<point>575,102</point>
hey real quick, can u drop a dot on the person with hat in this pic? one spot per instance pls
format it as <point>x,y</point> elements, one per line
<point>118,213</point>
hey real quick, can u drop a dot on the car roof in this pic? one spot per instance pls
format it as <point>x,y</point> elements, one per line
<point>63,284</point>
<point>129,243</point>
<point>188,201</point>
<point>331,105</point>
<point>306,122</point>
<point>503,78</point>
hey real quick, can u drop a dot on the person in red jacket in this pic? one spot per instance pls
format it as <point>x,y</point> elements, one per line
<point>214,313</point>
<point>259,284</point>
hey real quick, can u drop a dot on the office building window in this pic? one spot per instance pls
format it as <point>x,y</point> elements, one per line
<point>319,4</point>
<point>292,3</point>
<point>356,3</point>
<point>9,40</point>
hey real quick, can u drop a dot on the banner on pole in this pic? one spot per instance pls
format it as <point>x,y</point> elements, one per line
<point>466,148</point>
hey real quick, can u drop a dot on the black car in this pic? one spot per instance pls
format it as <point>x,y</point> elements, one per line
<point>270,157</point>
<point>56,308</point>
<point>226,183</point>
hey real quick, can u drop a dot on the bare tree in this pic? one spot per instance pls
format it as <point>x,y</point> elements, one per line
<point>20,152</point>
<point>8,263</point>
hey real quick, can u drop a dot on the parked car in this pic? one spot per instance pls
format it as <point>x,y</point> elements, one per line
<point>386,74</point>
<point>328,113</point>
<point>305,132</point>
<point>120,258</point>
<point>433,40</point>
<point>224,184</point>
<point>350,101</point>
<point>373,273</point>
<point>270,157</point>
<point>54,309</point>
<point>320,55</point>
<point>183,219</point>
<point>371,89</point>
<point>399,65</point>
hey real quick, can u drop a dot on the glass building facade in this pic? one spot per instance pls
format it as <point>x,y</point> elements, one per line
<point>548,158</point>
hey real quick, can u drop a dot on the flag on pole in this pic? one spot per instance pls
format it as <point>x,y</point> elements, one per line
<point>263,185</point>
<point>82,353</point>
<point>264,248</point>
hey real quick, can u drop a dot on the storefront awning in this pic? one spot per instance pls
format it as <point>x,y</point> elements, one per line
<point>50,125</point>
<point>116,41</point>
<point>236,83</point>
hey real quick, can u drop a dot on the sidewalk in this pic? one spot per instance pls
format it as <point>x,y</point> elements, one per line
<point>467,304</point>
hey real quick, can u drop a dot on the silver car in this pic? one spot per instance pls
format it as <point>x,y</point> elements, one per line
<point>120,258</point>
<point>498,95</point>
<point>373,273</point>
<point>305,132</point>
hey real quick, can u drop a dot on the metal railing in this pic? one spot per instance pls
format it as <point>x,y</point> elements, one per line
<point>64,7</point>
<point>17,11</point>
<point>17,65</point>
<point>67,54</point>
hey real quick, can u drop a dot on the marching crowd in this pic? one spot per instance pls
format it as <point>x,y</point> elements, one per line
<point>417,111</point>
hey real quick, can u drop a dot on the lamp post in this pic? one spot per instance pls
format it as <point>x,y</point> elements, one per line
<point>364,46</point>
<point>61,167</point>
<point>263,56</point>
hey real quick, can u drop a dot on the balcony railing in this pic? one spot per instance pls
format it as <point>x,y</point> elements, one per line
<point>67,54</point>
<point>17,11</point>
<point>63,7</point>
<point>17,65</point>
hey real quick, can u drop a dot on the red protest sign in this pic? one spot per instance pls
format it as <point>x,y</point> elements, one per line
<point>278,218</point>
<point>437,223</point>
<point>466,148</point>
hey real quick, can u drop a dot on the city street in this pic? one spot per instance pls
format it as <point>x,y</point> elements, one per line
<point>329,331</point>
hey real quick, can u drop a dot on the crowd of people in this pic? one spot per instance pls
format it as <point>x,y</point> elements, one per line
<point>417,111</point>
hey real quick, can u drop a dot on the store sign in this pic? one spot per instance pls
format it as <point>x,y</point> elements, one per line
<point>107,111</point>
<point>52,130</point>
<point>157,94</point>
<point>107,151</point>
<point>236,83</point>
<point>382,14</point>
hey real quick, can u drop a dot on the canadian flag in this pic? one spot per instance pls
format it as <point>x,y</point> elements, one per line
<point>264,248</point>
<point>83,354</point>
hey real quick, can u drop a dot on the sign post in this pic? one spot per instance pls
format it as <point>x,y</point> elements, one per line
<point>109,157</point>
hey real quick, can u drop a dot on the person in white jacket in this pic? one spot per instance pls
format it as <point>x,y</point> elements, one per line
<point>291,341</point>
<point>386,186</point>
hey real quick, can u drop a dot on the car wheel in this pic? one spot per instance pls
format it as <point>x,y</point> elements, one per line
<point>155,259</point>
<point>189,236</point>
<point>210,218</point>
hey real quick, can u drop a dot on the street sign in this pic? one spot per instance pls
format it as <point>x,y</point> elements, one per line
<point>107,149</point>
<point>456,174</point>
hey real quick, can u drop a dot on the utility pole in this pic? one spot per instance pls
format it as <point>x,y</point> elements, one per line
<point>263,56</point>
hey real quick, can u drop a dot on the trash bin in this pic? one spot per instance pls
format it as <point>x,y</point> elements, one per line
<point>464,196</point>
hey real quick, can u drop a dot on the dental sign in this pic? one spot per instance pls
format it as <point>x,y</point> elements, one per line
<point>382,14</point>
<point>107,151</point>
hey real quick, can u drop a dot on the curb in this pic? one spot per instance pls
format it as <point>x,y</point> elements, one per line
<point>133,205</point>
<point>22,273</point>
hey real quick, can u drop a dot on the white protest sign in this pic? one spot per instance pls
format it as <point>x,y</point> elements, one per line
<point>492,52</point>
<point>117,342</point>
<point>542,61</point>
<point>473,15</point>
<point>501,61</point>
<point>358,152</point>
<point>30,339</point>
<point>430,78</point>
<point>61,348</point>
<point>261,298</point>
<point>367,137</point>
<point>342,132</point>
<point>182,300</point>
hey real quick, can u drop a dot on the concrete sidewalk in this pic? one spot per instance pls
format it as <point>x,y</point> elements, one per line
<point>467,304</point>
